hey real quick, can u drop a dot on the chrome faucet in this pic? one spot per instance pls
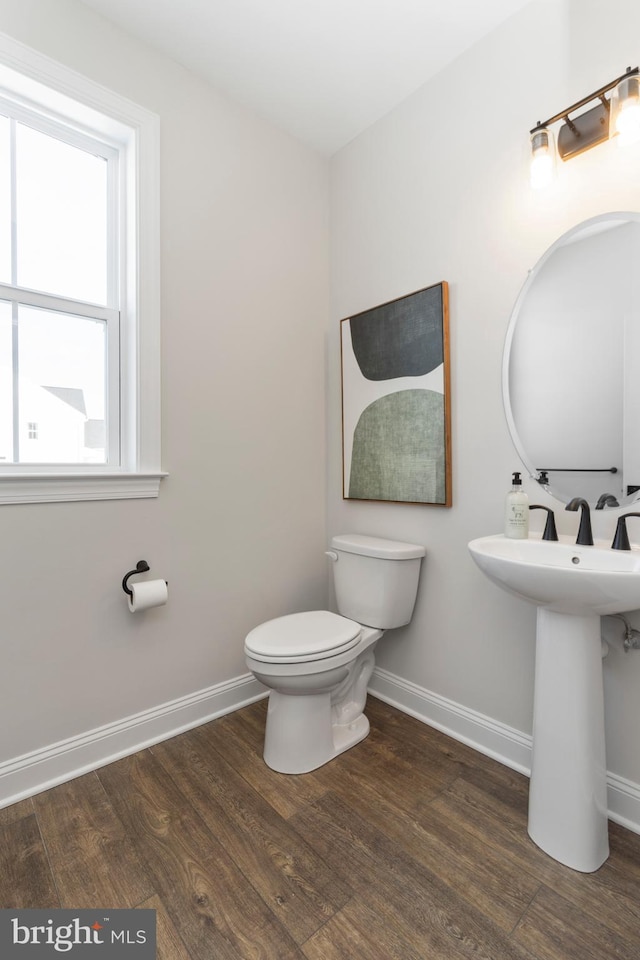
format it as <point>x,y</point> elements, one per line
<point>585,536</point>
<point>621,538</point>
<point>606,500</point>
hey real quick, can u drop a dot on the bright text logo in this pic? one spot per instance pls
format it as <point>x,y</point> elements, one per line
<point>97,934</point>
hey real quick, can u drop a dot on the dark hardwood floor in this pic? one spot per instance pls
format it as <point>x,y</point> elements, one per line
<point>410,846</point>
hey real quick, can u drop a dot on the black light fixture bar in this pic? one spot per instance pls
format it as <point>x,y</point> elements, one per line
<point>598,94</point>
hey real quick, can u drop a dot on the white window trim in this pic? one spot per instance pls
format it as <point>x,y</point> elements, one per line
<point>36,78</point>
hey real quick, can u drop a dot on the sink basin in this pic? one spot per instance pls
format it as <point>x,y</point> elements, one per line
<point>562,576</point>
<point>572,586</point>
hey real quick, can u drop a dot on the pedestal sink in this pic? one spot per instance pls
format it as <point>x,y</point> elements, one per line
<point>572,586</point>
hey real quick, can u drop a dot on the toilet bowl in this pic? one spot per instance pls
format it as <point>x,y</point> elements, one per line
<point>317,664</point>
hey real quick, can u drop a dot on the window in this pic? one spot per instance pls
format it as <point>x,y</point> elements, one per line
<point>58,292</point>
<point>79,287</point>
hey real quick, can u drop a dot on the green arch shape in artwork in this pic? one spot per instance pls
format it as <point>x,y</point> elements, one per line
<point>399,449</point>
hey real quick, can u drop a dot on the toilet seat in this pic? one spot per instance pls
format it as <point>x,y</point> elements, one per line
<point>302,637</point>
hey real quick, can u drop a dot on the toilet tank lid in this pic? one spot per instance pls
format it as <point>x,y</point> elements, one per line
<point>376,547</point>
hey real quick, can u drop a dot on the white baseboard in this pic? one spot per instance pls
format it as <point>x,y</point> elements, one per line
<point>37,771</point>
<point>41,769</point>
<point>623,799</point>
<point>488,736</point>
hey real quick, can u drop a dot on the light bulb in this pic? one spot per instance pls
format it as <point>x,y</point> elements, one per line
<point>625,111</point>
<point>542,160</point>
<point>628,122</point>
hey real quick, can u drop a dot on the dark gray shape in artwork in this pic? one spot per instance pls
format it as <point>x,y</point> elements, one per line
<point>399,449</point>
<point>400,339</point>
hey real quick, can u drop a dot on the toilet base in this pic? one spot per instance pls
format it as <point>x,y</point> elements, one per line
<point>300,736</point>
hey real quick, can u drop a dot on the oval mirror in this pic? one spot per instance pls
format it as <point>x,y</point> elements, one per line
<point>571,367</point>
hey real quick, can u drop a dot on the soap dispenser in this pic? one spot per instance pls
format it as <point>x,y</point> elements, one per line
<point>516,515</point>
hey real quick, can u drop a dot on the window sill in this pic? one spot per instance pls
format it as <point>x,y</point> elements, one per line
<point>58,488</point>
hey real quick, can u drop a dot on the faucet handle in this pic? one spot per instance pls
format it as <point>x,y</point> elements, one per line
<point>606,500</point>
<point>550,532</point>
<point>621,538</point>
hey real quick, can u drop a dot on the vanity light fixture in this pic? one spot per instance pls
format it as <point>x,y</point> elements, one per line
<point>617,116</point>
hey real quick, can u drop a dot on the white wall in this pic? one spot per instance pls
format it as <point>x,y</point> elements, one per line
<point>239,527</point>
<point>438,190</point>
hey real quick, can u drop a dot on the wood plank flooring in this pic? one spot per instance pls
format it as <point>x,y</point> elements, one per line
<point>410,846</point>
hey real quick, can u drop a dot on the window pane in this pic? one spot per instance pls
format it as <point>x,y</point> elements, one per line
<point>62,388</point>
<point>6,403</point>
<point>61,216</point>
<point>5,202</point>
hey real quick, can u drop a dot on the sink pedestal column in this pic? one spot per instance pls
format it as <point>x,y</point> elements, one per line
<point>568,789</point>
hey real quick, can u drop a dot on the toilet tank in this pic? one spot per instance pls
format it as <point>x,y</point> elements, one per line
<point>376,580</point>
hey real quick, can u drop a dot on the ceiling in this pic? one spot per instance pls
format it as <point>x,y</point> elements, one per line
<point>323,70</point>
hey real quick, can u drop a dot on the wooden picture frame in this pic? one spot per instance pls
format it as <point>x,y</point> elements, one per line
<point>396,405</point>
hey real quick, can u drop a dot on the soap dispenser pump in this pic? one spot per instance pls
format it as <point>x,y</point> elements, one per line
<point>516,518</point>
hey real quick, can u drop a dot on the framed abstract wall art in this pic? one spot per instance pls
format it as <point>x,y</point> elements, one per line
<point>396,419</point>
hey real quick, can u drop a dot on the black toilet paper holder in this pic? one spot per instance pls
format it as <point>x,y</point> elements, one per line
<point>141,567</point>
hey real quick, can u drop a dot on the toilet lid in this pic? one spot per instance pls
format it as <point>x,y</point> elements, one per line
<point>302,636</point>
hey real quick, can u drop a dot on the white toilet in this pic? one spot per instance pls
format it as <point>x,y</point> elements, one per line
<point>318,664</point>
